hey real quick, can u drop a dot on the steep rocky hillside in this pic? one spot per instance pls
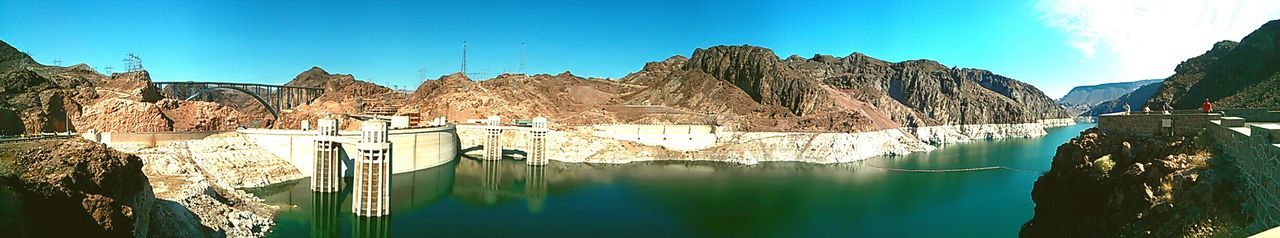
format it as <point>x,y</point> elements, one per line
<point>11,58</point>
<point>343,95</point>
<point>858,90</point>
<point>745,87</point>
<point>1081,98</point>
<point>37,98</point>
<point>1235,75</point>
<point>564,97</point>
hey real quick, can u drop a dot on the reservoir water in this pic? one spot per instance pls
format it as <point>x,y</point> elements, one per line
<point>885,196</point>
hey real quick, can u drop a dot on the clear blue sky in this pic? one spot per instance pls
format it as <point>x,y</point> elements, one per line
<point>272,41</point>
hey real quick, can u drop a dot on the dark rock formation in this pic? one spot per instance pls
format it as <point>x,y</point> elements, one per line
<point>11,58</point>
<point>1082,98</point>
<point>73,188</point>
<point>1234,75</point>
<point>1113,186</point>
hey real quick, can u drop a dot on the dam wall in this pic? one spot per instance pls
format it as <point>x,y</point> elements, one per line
<point>149,139</point>
<point>671,137</point>
<point>411,149</point>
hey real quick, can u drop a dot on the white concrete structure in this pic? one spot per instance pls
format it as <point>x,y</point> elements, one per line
<point>537,154</point>
<point>326,163</point>
<point>372,191</point>
<point>414,149</point>
<point>493,139</point>
<point>672,137</point>
<point>399,122</point>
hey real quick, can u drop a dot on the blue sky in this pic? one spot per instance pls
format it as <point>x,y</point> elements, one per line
<point>1053,44</point>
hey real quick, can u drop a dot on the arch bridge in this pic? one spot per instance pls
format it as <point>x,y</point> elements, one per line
<point>274,97</point>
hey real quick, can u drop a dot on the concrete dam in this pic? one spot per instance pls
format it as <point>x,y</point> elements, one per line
<point>412,149</point>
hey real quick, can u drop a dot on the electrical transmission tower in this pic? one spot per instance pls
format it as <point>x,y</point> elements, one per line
<point>134,62</point>
<point>522,58</point>
<point>464,57</point>
<point>108,69</point>
<point>57,62</point>
<point>422,75</point>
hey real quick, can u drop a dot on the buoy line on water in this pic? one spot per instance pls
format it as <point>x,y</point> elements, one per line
<point>950,170</point>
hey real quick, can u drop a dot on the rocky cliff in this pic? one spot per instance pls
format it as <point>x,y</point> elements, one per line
<point>1082,98</point>
<point>58,99</point>
<point>857,90</point>
<point>72,188</point>
<point>1233,75</point>
<point>1103,185</point>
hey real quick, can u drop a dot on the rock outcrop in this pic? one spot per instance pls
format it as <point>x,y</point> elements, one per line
<point>197,184</point>
<point>854,93</point>
<point>1233,75</point>
<point>73,188</point>
<point>1103,185</point>
<point>344,95</point>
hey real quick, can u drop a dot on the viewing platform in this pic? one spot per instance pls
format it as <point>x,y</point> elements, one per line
<point>1249,137</point>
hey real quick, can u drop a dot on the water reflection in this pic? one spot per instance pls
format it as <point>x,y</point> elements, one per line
<point>491,180</point>
<point>371,227</point>
<point>325,208</point>
<point>479,198</point>
<point>535,187</point>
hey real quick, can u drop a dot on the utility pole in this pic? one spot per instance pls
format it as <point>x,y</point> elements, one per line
<point>523,75</point>
<point>464,57</point>
<point>522,58</point>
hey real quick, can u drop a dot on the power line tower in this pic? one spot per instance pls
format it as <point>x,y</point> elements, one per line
<point>422,75</point>
<point>57,62</point>
<point>108,69</point>
<point>134,62</point>
<point>464,57</point>
<point>522,58</point>
<point>523,75</point>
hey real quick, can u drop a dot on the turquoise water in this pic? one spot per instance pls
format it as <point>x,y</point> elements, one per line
<point>471,198</point>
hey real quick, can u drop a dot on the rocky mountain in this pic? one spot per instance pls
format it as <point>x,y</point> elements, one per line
<point>11,58</point>
<point>1082,98</point>
<point>1233,75</point>
<point>746,87</point>
<point>860,90</point>
<point>36,98</point>
<point>1134,99</point>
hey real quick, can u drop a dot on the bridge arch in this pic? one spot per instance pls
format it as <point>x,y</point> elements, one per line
<point>263,102</point>
<point>275,98</point>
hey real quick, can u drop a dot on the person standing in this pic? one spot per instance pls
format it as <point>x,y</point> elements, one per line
<point>1206,107</point>
<point>1127,109</point>
<point>1167,109</point>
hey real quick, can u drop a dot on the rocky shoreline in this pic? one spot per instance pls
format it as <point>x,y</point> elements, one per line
<point>1103,185</point>
<point>198,184</point>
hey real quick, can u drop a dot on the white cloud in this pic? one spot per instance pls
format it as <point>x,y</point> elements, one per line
<point>1148,38</point>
